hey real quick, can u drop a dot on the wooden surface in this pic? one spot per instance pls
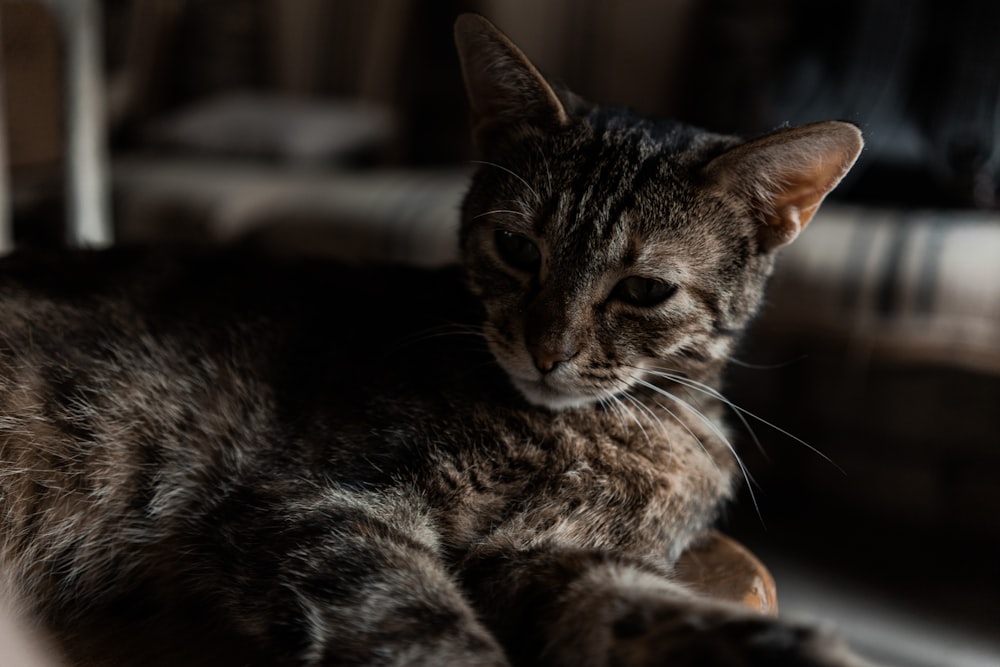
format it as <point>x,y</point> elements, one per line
<point>722,568</point>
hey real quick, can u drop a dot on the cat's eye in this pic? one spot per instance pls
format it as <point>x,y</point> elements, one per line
<point>643,292</point>
<point>517,250</point>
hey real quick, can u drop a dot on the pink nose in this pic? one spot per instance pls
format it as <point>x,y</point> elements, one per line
<point>546,360</point>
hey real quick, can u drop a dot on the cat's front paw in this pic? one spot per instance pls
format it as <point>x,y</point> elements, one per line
<point>724,640</point>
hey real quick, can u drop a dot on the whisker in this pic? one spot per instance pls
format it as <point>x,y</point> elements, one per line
<point>652,415</point>
<point>543,159</point>
<point>711,391</point>
<point>636,402</point>
<point>747,477</point>
<point>766,367</point>
<point>632,414</point>
<point>500,210</point>
<point>688,429</point>
<point>515,175</point>
<point>610,404</point>
<point>694,384</point>
<point>629,413</point>
<point>644,409</point>
<point>451,327</point>
<point>442,331</point>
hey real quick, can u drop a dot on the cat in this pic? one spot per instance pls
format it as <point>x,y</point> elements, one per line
<point>486,465</point>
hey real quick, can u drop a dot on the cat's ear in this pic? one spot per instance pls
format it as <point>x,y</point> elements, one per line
<point>504,88</point>
<point>786,175</point>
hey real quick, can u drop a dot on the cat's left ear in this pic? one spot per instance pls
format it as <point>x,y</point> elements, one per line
<point>504,88</point>
<point>786,175</point>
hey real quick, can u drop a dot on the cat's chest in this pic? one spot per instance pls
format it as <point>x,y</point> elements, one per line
<point>575,481</point>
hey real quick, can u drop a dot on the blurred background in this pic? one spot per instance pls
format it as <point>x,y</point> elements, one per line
<point>339,127</point>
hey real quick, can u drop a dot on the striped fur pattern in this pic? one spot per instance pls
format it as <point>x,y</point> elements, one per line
<point>494,466</point>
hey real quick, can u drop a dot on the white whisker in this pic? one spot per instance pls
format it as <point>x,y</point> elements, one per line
<point>643,408</point>
<point>652,415</point>
<point>610,404</point>
<point>633,415</point>
<point>443,331</point>
<point>711,391</point>
<point>765,367</point>
<point>748,478</point>
<point>501,210</point>
<point>515,175</point>
<point>740,411</point>
<point>688,429</point>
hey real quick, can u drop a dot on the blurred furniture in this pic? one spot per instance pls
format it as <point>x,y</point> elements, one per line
<point>61,40</point>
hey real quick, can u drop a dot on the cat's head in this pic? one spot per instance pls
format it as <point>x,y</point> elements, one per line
<point>605,245</point>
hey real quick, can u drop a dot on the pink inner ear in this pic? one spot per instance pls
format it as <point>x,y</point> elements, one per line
<point>802,189</point>
<point>786,175</point>
<point>809,187</point>
<point>781,226</point>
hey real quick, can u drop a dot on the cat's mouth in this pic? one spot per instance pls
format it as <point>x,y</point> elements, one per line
<point>555,391</point>
<point>539,391</point>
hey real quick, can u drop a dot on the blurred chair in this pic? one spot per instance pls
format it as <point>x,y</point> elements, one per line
<point>77,24</point>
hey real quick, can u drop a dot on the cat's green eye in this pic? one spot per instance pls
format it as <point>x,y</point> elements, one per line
<point>517,250</point>
<point>643,292</point>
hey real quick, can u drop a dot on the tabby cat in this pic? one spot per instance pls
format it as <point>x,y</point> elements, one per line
<point>496,464</point>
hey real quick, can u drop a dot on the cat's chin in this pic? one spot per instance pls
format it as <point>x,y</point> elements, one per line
<point>537,392</point>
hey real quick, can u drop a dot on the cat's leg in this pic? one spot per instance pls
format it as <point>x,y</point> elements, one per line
<point>344,577</point>
<point>552,606</point>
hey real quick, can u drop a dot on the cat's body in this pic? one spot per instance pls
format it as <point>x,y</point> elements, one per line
<point>403,467</point>
<point>165,408</point>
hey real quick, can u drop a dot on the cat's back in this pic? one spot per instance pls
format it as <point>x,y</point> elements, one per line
<point>124,350</point>
<point>221,302</point>
<point>172,339</point>
<point>137,385</point>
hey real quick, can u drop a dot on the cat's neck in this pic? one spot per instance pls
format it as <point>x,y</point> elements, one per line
<point>667,406</point>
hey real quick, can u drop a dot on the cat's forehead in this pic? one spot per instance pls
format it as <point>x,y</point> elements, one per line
<point>637,236</point>
<point>634,176</point>
<point>622,156</point>
<point>614,134</point>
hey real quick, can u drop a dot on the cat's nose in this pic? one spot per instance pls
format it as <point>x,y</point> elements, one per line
<point>547,359</point>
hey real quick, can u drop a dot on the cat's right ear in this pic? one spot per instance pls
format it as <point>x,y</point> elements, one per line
<point>786,175</point>
<point>504,88</point>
